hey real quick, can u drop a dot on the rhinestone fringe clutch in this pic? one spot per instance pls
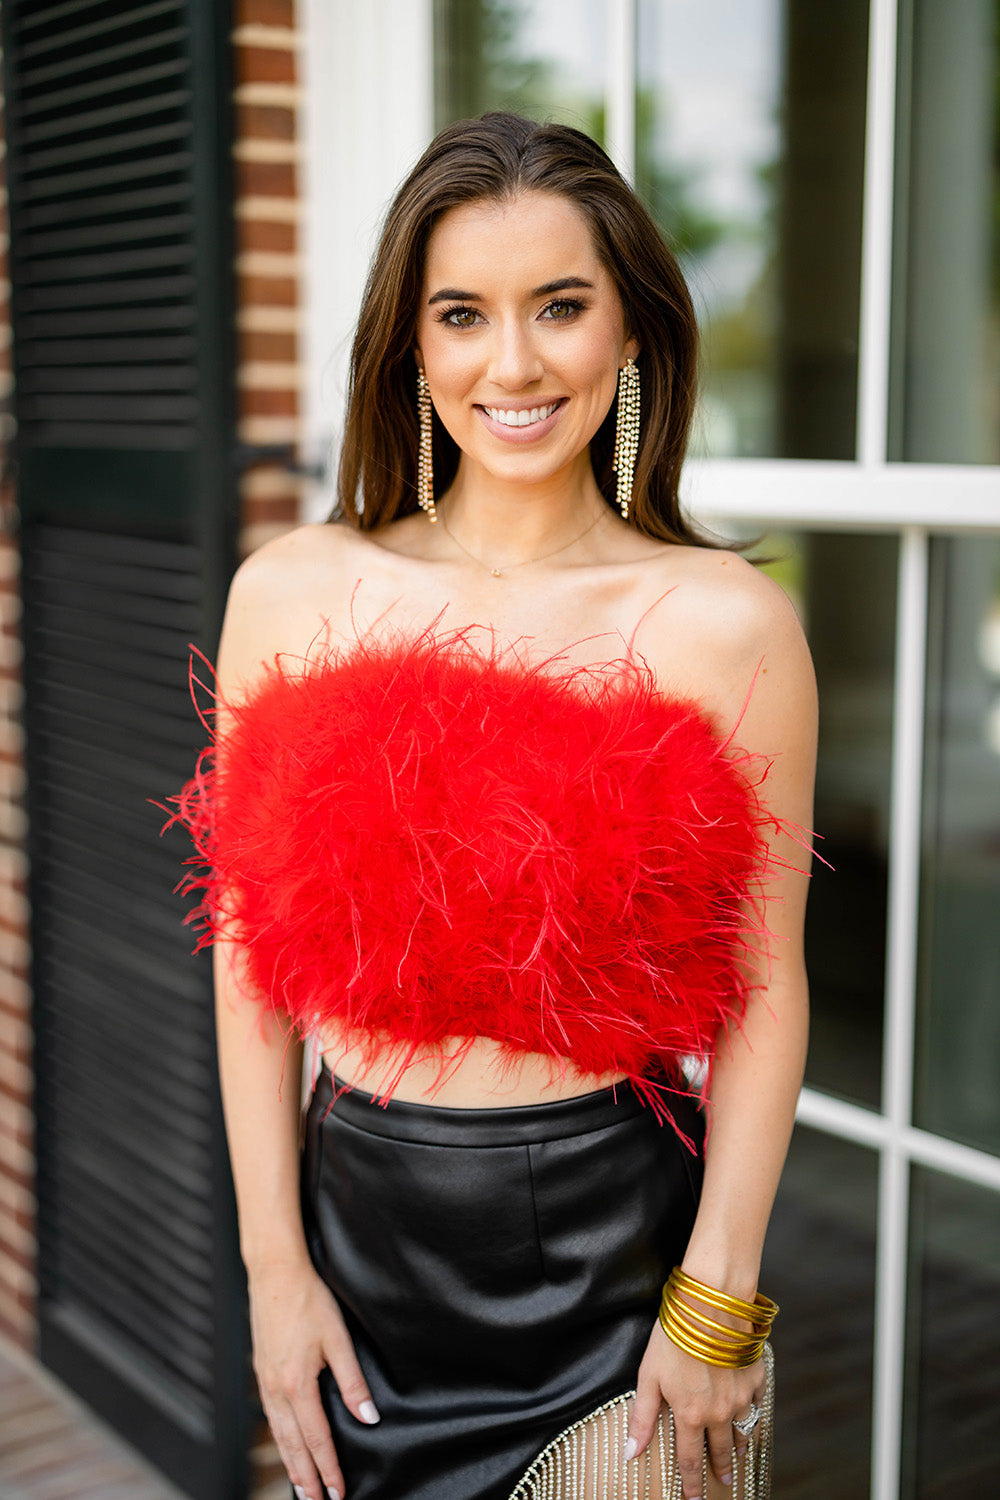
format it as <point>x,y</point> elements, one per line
<point>585,1461</point>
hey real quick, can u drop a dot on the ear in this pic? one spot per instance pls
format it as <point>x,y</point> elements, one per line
<point>418,357</point>
<point>631,350</point>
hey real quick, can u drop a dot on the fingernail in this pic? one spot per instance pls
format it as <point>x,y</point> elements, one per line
<point>727,1479</point>
<point>334,1494</point>
<point>631,1449</point>
<point>299,1491</point>
<point>368,1412</point>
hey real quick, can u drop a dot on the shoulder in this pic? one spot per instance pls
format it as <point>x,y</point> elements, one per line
<point>720,632</point>
<point>294,559</point>
<point>732,600</point>
<point>720,618</point>
<point>280,598</point>
<point>734,643</point>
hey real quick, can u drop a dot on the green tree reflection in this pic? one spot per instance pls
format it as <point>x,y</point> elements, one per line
<point>483,60</point>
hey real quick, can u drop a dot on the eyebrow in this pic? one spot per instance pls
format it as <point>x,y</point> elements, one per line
<point>564,284</point>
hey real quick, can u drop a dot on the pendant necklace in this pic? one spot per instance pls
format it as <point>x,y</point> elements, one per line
<point>497,572</point>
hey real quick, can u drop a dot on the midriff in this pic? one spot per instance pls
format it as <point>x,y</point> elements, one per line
<point>486,1077</point>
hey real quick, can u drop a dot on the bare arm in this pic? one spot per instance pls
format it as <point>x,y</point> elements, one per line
<point>260,1072</point>
<point>756,1080</point>
<point>296,1325</point>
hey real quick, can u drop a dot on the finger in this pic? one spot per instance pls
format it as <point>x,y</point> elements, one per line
<point>645,1410</point>
<point>346,1371</point>
<point>294,1453</point>
<point>739,1441</point>
<point>315,1429</point>
<point>720,1451</point>
<point>691,1459</point>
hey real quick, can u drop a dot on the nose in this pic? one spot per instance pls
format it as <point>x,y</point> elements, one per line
<point>514,360</point>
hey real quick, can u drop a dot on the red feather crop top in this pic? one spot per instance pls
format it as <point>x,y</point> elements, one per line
<point>419,839</point>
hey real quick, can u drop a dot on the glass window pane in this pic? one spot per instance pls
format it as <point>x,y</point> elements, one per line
<point>819,1265</point>
<point>750,153</point>
<point>946,386</point>
<point>545,60</point>
<point>951,1439</point>
<point>958,1016</point>
<point>844,587</point>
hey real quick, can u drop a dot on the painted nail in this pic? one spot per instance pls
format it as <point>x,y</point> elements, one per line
<point>727,1479</point>
<point>333,1494</point>
<point>368,1412</point>
<point>299,1491</point>
<point>631,1449</point>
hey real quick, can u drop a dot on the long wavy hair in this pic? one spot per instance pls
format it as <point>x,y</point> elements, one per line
<point>496,158</point>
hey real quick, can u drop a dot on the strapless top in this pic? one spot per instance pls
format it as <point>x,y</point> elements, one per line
<point>427,836</point>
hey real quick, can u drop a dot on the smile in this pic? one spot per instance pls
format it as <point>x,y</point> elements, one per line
<point>525,418</point>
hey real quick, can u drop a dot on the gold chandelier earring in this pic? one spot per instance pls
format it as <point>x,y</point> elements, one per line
<point>425,460</point>
<point>626,433</point>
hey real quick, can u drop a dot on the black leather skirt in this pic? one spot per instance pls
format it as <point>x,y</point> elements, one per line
<point>499,1270</point>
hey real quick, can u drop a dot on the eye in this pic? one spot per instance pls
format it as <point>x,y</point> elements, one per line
<point>459,316</point>
<point>563,309</point>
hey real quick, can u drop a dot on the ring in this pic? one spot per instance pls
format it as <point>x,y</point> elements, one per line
<point>745,1425</point>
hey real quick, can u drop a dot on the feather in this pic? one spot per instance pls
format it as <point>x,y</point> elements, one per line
<point>420,837</point>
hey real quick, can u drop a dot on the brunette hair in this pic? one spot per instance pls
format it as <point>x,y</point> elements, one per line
<point>497,157</point>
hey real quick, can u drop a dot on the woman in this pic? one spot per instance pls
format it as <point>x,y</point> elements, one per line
<point>481,826</point>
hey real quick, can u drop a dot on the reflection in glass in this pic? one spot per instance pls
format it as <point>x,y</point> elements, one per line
<point>819,1265</point>
<point>951,1438</point>
<point>958,1017</point>
<point>750,149</point>
<point>545,60</point>
<point>844,588</point>
<point>946,388</point>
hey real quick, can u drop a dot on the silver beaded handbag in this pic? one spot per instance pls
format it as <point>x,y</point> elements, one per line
<point>585,1461</point>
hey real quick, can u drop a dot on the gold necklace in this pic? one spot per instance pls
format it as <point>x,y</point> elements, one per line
<point>496,572</point>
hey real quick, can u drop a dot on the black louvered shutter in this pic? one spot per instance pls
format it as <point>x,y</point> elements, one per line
<point>119,141</point>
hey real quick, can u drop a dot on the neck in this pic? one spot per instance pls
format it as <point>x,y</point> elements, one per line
<point>508,523</point>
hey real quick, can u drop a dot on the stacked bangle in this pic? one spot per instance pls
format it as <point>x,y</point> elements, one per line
<point>697,1334</point>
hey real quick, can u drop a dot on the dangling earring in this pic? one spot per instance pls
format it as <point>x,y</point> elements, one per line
<point>425,465</point>
<point>626,433</point>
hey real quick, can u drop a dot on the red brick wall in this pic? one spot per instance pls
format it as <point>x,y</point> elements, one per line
<point>267,227</point>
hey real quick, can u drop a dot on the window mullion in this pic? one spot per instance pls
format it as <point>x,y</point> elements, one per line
<point>876,242</point>
<point>620,85</point>
<point>901,981</point>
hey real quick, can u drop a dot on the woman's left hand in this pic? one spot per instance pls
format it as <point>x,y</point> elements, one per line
<point>705,1401</point>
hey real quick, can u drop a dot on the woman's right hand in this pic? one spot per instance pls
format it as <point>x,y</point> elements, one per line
<point>297,1328</point>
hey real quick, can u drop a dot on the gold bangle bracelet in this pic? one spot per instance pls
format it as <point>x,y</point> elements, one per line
<point>760,1310</point>
<point>706,1322</point>
<point>735,1349</point>
<point>703,1337</point>
<point>723,1360</point>
<point>695,1331</point>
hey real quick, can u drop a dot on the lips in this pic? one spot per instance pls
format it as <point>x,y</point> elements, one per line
<point>521,424</point>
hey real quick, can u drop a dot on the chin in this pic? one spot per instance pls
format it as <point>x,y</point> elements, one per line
<point>530,468</point>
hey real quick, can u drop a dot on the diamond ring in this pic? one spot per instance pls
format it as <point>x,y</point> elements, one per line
<point>745,1425</point>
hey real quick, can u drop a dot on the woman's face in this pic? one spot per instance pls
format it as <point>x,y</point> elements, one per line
<point>520,334</point>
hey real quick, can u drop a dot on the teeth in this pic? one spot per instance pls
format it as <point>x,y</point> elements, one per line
<point>521,418</point>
